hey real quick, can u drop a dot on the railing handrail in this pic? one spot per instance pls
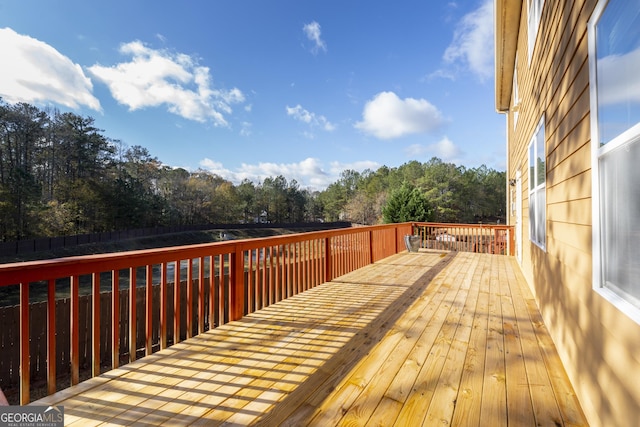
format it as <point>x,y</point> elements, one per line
<point>463,225</point>
<point>39,270</point>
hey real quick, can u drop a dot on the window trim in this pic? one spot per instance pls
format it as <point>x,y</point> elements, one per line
<point>533,190</point>
<point>597,152</point>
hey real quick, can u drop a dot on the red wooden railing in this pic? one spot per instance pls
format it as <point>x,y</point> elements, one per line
<point>226,280</point>
<point>480,238</point>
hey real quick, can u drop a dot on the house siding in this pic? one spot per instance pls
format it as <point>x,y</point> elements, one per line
<point>598,344</point>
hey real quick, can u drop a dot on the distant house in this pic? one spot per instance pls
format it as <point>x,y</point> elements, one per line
<point>568,81</point>
<point>262,218</point>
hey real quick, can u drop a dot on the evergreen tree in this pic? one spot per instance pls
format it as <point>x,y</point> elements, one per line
<point>405,204</point>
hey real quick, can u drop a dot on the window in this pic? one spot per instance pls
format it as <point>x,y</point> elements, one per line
<point>533,22</point>
<point>614,60</point>
<point>537,187</point>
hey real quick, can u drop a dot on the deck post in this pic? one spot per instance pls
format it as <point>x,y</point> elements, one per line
<point>236,296</point>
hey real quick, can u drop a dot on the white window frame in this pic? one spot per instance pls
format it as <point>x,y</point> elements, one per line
<point>597,151</point>
<point>534,15</point>
<point>537,214</point>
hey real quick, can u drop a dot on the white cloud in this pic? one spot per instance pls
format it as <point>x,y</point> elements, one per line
<point>444,149</point>
<point>309,173</point>
<point>386,116</point>
<point>309,118</point>
<point>219,169</point>
<point>442,73</point>
<point>338,167</point>
<point>618,78</point>
<point>416,150</point>
<point>313,33</point>
<point>34,72</point>
<point>158,77</point>
<point>246,129</point>
<point>472,46</point>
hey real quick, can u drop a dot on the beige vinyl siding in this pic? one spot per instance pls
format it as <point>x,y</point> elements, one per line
<point>598,344</point>
<point>580,155</point>
<point>574,211</point>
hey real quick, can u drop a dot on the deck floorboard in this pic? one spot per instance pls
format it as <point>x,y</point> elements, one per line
<point>424,338</point>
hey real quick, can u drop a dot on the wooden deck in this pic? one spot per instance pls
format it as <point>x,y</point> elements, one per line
<point>417,339</point>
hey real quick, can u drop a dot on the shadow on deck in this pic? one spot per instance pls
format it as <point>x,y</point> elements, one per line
<point>429,337</point>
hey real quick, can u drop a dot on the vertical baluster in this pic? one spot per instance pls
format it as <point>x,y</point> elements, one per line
<point>314,263</point>
<point>75,330</point>
<point>226,284</point>
<point>148,324</point>
<point>176,302</point>
<point>221,289</point>
<point>133,345</point>
<point>278,275</point>
<point>51,336</point>
<point>349,241</point>
<point>200,295</point>
<point>298,267</point>
<point>283,273</point>
<point>328,276</point>
<point>189,298</point>
<point>250,290</point>
<point>95,324</point>
<point>271,277</point>
<point>212,292</point>
<point>265,295</point>
<point>163,306</point>
<point>25,367</point>
<point>115,319</point>
<point>341,256</point>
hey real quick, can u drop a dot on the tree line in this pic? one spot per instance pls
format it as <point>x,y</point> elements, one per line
<point>60,175</point>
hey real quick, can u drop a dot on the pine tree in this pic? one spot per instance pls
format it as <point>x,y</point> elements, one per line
<point>405,204</point>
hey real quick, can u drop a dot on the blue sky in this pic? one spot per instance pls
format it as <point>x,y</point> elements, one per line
<point>251,89</point>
